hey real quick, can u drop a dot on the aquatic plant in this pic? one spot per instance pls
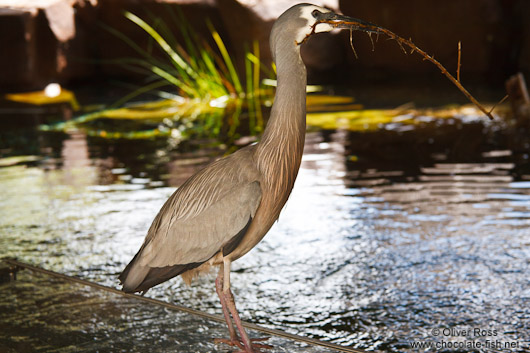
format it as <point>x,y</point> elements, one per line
<point>205,79</point>
<point>201,90</point>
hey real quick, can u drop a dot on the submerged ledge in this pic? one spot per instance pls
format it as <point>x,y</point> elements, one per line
<point>46,310</point>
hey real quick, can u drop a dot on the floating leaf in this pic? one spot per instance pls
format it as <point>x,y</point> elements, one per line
<point>41,98</point>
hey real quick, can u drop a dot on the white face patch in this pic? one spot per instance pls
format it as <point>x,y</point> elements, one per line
<point>311,20</point>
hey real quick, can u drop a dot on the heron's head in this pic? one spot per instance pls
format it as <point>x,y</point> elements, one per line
<point>301,21</point>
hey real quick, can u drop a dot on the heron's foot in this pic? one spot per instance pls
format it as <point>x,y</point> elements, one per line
<point>256,347</point>
<point>228,341</point>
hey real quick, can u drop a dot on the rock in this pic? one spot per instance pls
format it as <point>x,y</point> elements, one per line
<point>41,37</point>
<point>63,41</point>
<point>519,97</point>
<point>61,19</point>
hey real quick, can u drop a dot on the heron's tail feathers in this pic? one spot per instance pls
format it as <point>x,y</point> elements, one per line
<point>137,278</point>
<point>133,275</point>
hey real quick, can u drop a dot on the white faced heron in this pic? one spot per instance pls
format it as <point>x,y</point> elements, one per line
<point>225,209</point>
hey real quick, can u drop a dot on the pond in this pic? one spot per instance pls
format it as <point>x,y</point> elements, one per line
<point>389,234</point>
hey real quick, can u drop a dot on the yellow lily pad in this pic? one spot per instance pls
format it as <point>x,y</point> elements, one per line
<point>42,98</point>
<point>355,120</point>
<point>320,99</point>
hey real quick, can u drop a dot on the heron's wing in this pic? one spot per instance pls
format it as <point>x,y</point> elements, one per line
<point>205,214</point>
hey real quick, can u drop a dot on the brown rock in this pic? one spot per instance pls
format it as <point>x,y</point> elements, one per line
<point>63,40</point>
<point>519,97</point>
<point>41,37</point>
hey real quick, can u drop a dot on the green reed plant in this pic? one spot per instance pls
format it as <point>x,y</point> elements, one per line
<point>192,69</point>
<point>207,85</point>
<point>201,73</point>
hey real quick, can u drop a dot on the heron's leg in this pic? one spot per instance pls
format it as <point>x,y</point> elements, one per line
<point>222,285</point>
<point>219,290</point>
<point>230,303</point>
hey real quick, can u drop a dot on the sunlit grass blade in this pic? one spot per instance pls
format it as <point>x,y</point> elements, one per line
<point>256,86</point>
<point>189,37</point>
<point>234,118</point>
<point>180,63</point>
<point>211,70</point>
<point>249,96</point>
<point>267,72</point>
<point>174,80</point>
<point>226,57</point>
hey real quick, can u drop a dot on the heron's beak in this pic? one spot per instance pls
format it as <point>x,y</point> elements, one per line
<point>341,21</point>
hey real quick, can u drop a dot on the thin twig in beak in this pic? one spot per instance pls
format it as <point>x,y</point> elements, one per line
<point>351,43</point>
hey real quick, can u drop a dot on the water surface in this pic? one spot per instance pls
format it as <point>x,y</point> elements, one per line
<point>387,235</point>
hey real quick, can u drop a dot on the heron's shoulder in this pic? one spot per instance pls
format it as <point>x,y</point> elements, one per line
<point>245,154</point>
<point>228,175</point>
<point>239,166</point>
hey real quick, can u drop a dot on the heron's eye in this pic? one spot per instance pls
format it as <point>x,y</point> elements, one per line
<point>315,13</point>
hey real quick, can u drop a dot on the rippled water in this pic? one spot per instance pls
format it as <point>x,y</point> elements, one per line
<point>387,235</point>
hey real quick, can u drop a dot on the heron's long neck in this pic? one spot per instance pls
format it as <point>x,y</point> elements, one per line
<point>280,151</point>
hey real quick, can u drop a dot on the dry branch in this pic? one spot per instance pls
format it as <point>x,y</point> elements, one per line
<point>371,28</point>
<point>459,63</point>
<point>351,44</point>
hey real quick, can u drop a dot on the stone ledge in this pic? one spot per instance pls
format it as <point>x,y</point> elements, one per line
<point>62,40</point>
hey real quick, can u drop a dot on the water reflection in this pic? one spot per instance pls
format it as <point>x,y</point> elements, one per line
<point>387,234</point>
